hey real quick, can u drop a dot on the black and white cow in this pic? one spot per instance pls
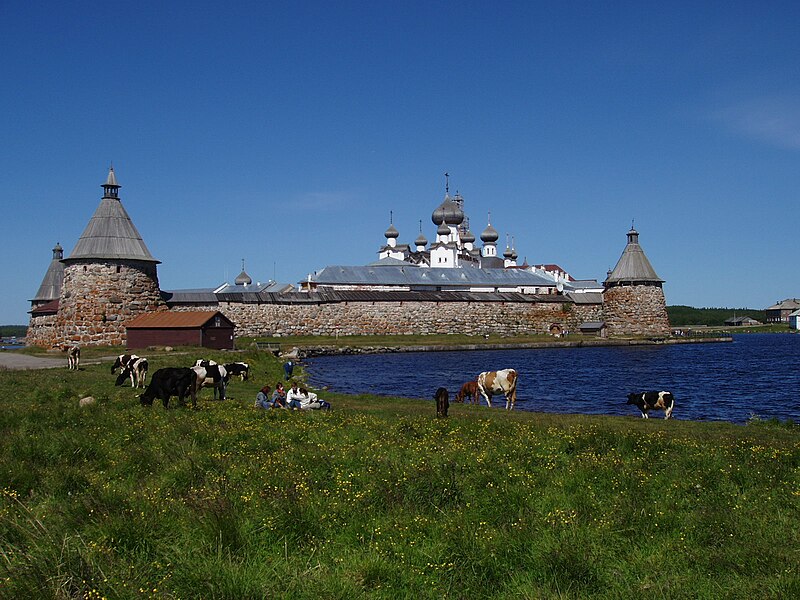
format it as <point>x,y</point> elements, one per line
<point>122,361</point>
<point>211,375</point>
<point>168,382</point>
<point>647,401</point>
<point>136,369</point>
<point>238,369</point>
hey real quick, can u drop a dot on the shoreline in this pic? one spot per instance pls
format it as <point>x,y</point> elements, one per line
<point>329,350</point>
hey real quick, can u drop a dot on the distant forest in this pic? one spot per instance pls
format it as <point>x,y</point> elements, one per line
<point>687,315</point>
<point>13,330</point>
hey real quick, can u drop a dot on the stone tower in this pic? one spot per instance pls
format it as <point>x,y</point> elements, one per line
<point>44,306</point>
<point>633,300</point>
<point>109,278</point>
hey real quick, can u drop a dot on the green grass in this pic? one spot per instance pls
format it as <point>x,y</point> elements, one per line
<point>379,499</point>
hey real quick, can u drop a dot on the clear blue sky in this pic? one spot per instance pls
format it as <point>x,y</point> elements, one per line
<point>284,133</point>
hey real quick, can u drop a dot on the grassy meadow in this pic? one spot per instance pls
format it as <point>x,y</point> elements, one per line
<point>379,499</point>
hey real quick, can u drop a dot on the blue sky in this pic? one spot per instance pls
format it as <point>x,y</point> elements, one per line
<point>283,133</point>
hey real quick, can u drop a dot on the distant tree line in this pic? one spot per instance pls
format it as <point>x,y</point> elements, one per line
<point>13,330</point>
<point>688,315</point>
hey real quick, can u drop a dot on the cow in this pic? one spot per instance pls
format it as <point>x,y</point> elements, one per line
<point>73,356</point>
<point>211,375</point>
<point>122,361</point>
<point>442,402</point>
<point>468,390</point>
<point>647,401</point>
<point>238,369</point>
<point>168,382</point>
<point>499,382</point>
<point>202,362</point>
<point>136,369</point>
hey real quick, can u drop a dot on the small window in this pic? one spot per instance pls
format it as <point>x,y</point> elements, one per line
<point>118,268</point>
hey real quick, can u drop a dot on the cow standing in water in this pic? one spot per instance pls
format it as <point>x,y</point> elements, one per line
<point>499,382</point>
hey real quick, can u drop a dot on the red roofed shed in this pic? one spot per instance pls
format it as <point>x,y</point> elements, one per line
<point>208,328</point>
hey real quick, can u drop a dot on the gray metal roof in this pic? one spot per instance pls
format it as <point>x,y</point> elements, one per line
<point>432,277</point>
<point>111,234</point>
<point>50,289</point>
<point>633,265</point>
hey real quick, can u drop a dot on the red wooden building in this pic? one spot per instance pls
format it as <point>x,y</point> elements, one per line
<point>208,328</point>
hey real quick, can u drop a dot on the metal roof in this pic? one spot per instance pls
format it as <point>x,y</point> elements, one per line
<point>633,265</point>
<point>174,319</point>
<point>585,297</point>
<point>788,304</point>
<point>421,277</point>
<point>111,234</point>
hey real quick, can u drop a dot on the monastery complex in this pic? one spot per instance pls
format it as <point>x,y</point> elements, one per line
<point>450,285</point>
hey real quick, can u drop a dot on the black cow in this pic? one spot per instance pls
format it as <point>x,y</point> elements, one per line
<point>647,401</point>
<point>442,398</point>
<point>211,375</point>
<point>168,382</point>
<point>238,369</point>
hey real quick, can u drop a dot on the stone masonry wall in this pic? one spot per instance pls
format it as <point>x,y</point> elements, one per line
<point>97,298</point>
<point>403,318</point>
<point>636,310</point>
<point>41,331</point>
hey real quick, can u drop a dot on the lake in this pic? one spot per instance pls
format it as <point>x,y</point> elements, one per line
<point>756,374</point>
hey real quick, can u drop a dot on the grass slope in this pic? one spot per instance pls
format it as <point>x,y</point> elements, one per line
<point>379,499</point>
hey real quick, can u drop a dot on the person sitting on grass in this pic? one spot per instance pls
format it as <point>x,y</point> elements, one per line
<point>310,401</point>
<point>294,397</point>
<point>265,401</point>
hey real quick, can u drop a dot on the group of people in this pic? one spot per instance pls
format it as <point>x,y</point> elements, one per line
<point>296,398</point>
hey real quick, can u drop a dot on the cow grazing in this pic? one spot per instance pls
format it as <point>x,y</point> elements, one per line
<point>202,362</point>
<point>73,356</point>
<point>647,401</point>
<point>442,402</point>
<point>468,390</point>
<point>499,382</point>
<point>136,370</point>
<point>212,375</point>
<point>238,369</point>
<point>122,361</point>
<point>168,382</point>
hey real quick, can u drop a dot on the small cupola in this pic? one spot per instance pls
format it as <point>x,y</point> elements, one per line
<point>243,278</point>
<point>111,187</point>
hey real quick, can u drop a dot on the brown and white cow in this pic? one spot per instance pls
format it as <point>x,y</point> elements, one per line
<point>646,401</point>
<point>468,390</point>
<point>499,382</point>
<point>73,356</point>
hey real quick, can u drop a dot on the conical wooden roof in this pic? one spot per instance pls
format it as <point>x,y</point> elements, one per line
<point>53,278</point>
<point>110,233</point>
<point>633,266</point>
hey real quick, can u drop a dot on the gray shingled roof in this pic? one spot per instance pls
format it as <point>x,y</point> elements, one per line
<point>53,278</point>
<point>111,234</point>
<point>633,265</point>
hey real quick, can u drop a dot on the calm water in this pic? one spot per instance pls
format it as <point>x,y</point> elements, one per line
<point>755,374</point>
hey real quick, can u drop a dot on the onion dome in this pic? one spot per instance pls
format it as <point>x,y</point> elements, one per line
<point>489,235</point>
<point>448,212</point>
<point>421,240</point>
<point>443,229</point>
<point>507,253</point>
<point>392,232</point>
<point>514,254</point>
<point>243,279</point>
<point>468,237</point>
